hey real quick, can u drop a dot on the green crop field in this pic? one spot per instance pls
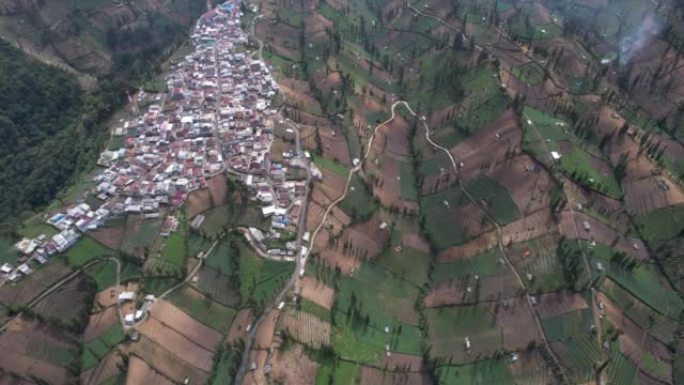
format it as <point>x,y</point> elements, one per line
<point>104,273</point>
<point>341,373</point>
<point>86,250</point>
<point>567,325</point>
<point>359,202</point>
<point>531,73</point>
<point>203,309</point>
<point>444,229</point>
<point>492,371</point>
<point>260,279</point>
<point>140,233</point>
<point>225,369</point>
<point>221,287</point>
<point>582,354</point>
<point>435,165</point>
<point>409,264</point>
<point>95,350</point>
<point>644,282</point>
<point>546,132</point>
<point>621,369</point>
<point>662,224</point>
<point>484,265</point>
<point>499,202</point>
<point>408,185</point>
<point>309,307</point>
<point>158,285</point>
<point>448,328</point>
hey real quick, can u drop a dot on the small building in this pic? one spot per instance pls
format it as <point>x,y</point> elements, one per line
<point>586,225</point>
<point>129,319</point>
<point>555,155</point>
<point>6,268</point>
<point>126,296</point>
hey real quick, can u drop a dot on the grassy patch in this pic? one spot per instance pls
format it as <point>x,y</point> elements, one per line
<point>359,203</point>
<point>203,309</point>
<point>448,328</point>
<point>95,350</point>
<point>662,224</point>
<point>531,73</point>
<point>568,324</point>
<point>442,226</point>
<point>491,371</point>
<point>104,273</point>
<point>407,185</point>
<point>483,265</point>
<point>496,198</point>
<point>260,279</point>
<point>86,250</point>
<point>339,373</point>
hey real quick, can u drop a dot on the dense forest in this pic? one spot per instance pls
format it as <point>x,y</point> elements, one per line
<point>40,107</point>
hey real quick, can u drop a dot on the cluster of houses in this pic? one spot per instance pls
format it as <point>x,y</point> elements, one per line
<point>70,226</point>
<point>216,117</point>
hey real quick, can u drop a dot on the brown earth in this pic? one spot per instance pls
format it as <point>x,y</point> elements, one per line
<point>306,328</point>
<point>177,344</point>
<point>193,330</point>
<point>317,292</point>
<point>373,376</point>
<point>197,202</point>
<point>530,190</point>
<point>99,322</point>
<point>218,189</point>
<point>169,364</point>
<point>139,372</point>
<point>107,368</point>
<point>264,336</point>
<point>238,329</point>
<point>293,367</point>
<point>554,304</point>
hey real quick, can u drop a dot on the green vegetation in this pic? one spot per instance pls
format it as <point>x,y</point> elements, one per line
<point>662,224</point>
<point>260,279</point>
<point>531,73</point>
<point>408,183</point>
<point>359,202</point>
<point>86,250</point>
<point>580,159</point>
<point>39,111</point>
<point>441,225</point>
<point>572,323</point>
<point>104,273</point>
<point>496,199</point>
<point>493,371</point>
<point>448,328</point>
<point>203,308</point>
<point>483,265</point>
<point>338,373</point>
<point>95,350</point>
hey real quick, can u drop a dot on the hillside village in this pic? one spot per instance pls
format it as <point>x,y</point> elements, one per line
<point>215,118</point>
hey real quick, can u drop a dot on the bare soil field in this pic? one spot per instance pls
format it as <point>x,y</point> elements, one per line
<point>646,195</point>
<point>20,342</point>
<point>197,202</point>
<point>306,328</point>
<point>191,329</point>
<point>139,372</point>
<point>99,322</point>
<point>473,247</point>
<point>367,237</point>
<point>571,226</point>
<point>530,369</point>
<point>532,226</point>
<point>470,291</point>
<point>111,237</point>
<point>317,292</point>
<point>26,365</point>
<point>169,364</point>
<point>177,344</point>
<point>374,376</point>
<point>529,189</point>
<point>264,336</point>
<point>410,362</point>
<point>388,186</point>
<point>293,367</point>
<point>238,329</point>
<point>516,320</point>
<point>414,241</point>
<point>334,146</point>
<point>257,377</point>
<point>469,151</point>
<point>218,189</point>
<point>105,298</point>
<point>553,304</point>
<point>108,367</point>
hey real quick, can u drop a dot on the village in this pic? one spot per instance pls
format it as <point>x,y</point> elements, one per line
<point>216,117</point>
